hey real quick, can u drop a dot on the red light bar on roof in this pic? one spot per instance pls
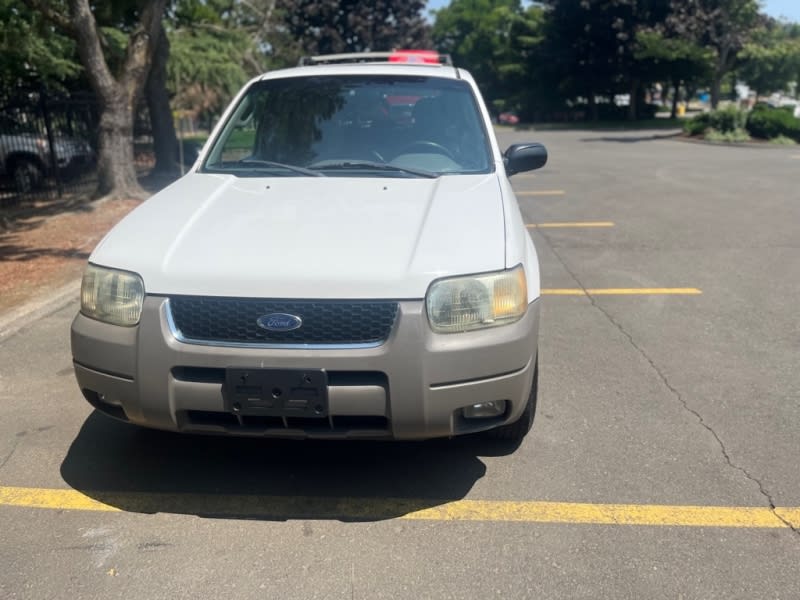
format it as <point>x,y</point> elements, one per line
<point>428,57</point>
<point>406,57</point>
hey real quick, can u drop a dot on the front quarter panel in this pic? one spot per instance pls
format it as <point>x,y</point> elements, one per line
<point>519,245</point>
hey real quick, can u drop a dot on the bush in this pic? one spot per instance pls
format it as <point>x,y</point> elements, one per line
<point>727,120</point>
<point>697,125</point>
<point>768,123</point>
<point>782,140</point>
<point>737,135</point>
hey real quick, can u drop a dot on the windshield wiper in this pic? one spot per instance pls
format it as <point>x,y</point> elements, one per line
<point>257,162</point>
<point>367,164</point>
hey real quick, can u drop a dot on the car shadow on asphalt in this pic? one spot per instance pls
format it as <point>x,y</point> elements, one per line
<point>146,471</point>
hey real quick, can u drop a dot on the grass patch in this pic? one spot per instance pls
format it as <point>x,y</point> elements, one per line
<point>731,137</point>
<point>782,140</point>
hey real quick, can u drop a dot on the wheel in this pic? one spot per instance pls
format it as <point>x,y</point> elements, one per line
<point>427,146</point>
<point>26,174</point>
<point>517,430</point>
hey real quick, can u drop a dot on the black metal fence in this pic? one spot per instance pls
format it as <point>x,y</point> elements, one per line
<point>48,146</point>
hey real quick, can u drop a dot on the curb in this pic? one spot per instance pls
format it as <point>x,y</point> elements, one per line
<point>748,145</point>
<point>37,308</point>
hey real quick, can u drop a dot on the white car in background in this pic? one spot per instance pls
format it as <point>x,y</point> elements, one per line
<point>331,267</point>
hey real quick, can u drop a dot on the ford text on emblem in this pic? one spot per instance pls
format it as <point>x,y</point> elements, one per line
<point>279,322</point>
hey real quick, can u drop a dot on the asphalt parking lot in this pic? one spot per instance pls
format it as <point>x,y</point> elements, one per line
<point>663,462</point>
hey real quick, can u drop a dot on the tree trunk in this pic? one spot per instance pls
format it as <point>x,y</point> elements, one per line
<point>676,90</point>
<point>593,107</point>
<point>165,142</point>
<point>116,170</point>
<point>634,101</point>
<point>118,96</point>
<point>720,68</point>
<point>716,85</point>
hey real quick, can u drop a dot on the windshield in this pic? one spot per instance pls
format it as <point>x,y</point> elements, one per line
<point>373,125</point>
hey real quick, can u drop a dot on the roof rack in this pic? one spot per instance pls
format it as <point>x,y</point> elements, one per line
<point>400,57</point>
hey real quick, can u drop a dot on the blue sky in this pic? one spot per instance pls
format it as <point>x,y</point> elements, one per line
<point>775,8</point>
<point>783,8</point>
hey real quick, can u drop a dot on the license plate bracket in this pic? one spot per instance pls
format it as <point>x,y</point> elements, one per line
<point>276,392</point>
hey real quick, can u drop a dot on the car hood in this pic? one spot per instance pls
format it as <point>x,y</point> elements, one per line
<point>310,237</point>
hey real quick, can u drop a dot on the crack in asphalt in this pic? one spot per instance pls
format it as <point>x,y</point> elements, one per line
<point>10,454</point>
<point>671,388</point>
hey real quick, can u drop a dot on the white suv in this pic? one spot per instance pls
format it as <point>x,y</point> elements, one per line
<point>346,259</point>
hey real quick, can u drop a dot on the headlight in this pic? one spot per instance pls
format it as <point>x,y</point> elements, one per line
<point>112,296</point>
<point>478,301</point>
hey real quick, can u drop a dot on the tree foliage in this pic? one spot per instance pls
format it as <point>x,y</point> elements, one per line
<point>333,26</point>
<point>771,60</point>
<point>479,35</point>
<point>723,26</point>
<point>542,58</point>
<point>32,50</point>
<point>207,66</point>
<point>589,48</point>
<point>117,87</point>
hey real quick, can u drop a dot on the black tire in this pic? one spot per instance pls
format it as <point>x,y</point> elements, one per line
<point>27,175</point>
<point>517,430</point>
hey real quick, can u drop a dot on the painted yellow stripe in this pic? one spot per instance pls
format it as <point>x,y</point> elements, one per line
<point>291,507</point>
<point>619,291</point>
<point>610,514</point>
<point>570,224</point>
<point>542,193</point>
<point>50,498</point>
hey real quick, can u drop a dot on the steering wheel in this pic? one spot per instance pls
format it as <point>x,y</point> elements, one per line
<point>374,156</point>
<point>427,147</point>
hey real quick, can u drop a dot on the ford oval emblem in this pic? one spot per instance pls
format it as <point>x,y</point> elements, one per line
<point>279,322</point>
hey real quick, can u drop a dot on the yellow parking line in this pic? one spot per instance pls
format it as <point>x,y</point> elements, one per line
<point>292,507</point>
<point>610,514</point>
<point>50,498</point>
<point>570,224</point>
<point>542,193</point>
<point>619,291</point>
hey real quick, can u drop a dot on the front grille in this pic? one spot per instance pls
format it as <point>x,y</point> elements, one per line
<point>325,322</point>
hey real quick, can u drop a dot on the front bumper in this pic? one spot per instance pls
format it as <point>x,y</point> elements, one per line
<point>411,387</point>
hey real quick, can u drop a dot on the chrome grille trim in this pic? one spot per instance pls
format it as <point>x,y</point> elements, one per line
<point>180,337</point>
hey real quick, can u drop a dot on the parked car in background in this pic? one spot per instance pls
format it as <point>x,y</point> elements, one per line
<point>508,118</point>
<point>25,155</point>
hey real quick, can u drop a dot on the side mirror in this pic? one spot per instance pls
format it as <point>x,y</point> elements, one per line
<point>524,157</point>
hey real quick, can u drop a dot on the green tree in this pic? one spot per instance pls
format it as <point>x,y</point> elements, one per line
<point>117,91</point>
<point>479,35</point>
<point>207,64</point>
<point>772,60</point>
<point>332,26</point>
<point>588,48</point>
<point>723,26</point>
<point>32,49</point>
<point>521,70</point>
<point>675,60</point>
<point>116,20</point>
